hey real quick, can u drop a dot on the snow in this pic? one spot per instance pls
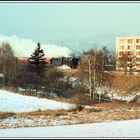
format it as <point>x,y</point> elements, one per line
<point>117,95</point>
<point>64,67</point>
<point>13,102</point>
<point>1,75</point>
<point>120,129</point>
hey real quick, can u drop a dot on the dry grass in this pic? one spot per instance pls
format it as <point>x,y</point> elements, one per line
<point>107,111</point>
<point>118,105</point>
<point>94,110</point>
<point>111,111</point>
<point>4,115</point>
<point>117,116</point>
<point>45,113</point>
<point>72,73</point>
<point>125,82</point>
<point>99,111</point>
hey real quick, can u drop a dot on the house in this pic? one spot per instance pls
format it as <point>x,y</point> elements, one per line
<point>22,60</point>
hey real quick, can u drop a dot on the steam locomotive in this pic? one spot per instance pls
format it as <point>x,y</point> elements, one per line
<point>69,61</point>
<point>72,62</point>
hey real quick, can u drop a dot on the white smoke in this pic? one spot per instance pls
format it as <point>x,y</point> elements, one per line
<point>25,47</point>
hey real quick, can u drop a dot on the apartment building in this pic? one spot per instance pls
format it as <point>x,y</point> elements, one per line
<point>129,45</point>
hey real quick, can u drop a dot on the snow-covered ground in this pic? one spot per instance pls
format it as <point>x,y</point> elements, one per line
<point>118,95</point>
<point>121,129</point>
<point>64,67</point>
<point>13,102</point>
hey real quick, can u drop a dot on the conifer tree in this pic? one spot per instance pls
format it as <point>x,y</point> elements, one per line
<point>37,62</point>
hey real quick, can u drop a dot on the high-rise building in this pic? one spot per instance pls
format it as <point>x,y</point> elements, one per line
<point>129,46</point>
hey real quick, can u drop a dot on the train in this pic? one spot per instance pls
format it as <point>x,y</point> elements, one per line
<point>72,62</point>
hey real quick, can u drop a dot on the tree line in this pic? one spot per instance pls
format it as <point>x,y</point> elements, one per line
<point>93,71</point>
<point>33,75</point>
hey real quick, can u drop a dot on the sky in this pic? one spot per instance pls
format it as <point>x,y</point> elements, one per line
<point>70,23</point>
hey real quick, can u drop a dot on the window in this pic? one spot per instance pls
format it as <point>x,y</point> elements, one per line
<point>129,53</point>
<point>137,40</point>
<point>121,41</point>
<point>128,47</point>
<point>138,65</point>
<point>138,53</point>
<point>121,47</point>
<point>130,41</point>
<point>138,47</point>
<point>138,59</point>
<point>121,53</point>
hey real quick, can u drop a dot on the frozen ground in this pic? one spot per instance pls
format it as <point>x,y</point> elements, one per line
<point>129,128</point>
<point>64,67</point>
<point>12,102</point>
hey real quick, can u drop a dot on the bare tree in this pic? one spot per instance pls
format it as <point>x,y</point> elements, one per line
<point>127,61</point>
<point>131,63</point>
<point>88,71</point>
<point>92,70</point>
<point>7,61</point>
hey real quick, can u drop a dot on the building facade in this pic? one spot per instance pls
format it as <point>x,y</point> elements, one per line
<point>129,46</point>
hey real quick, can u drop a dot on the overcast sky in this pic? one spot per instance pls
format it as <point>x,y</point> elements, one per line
<point>51,22</point>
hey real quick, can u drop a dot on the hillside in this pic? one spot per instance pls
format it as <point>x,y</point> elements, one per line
<point>12,102</point>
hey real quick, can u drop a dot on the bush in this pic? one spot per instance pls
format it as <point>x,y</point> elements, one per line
<point>80,100</point>
<point>55,81</point>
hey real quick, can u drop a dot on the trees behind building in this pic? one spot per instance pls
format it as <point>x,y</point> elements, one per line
<point>127,62</point>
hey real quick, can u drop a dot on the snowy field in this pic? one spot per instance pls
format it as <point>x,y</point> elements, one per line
<point>12,102</point>
<point>121,129</point>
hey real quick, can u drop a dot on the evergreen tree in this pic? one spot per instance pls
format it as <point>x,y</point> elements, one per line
<point>37,62</point>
